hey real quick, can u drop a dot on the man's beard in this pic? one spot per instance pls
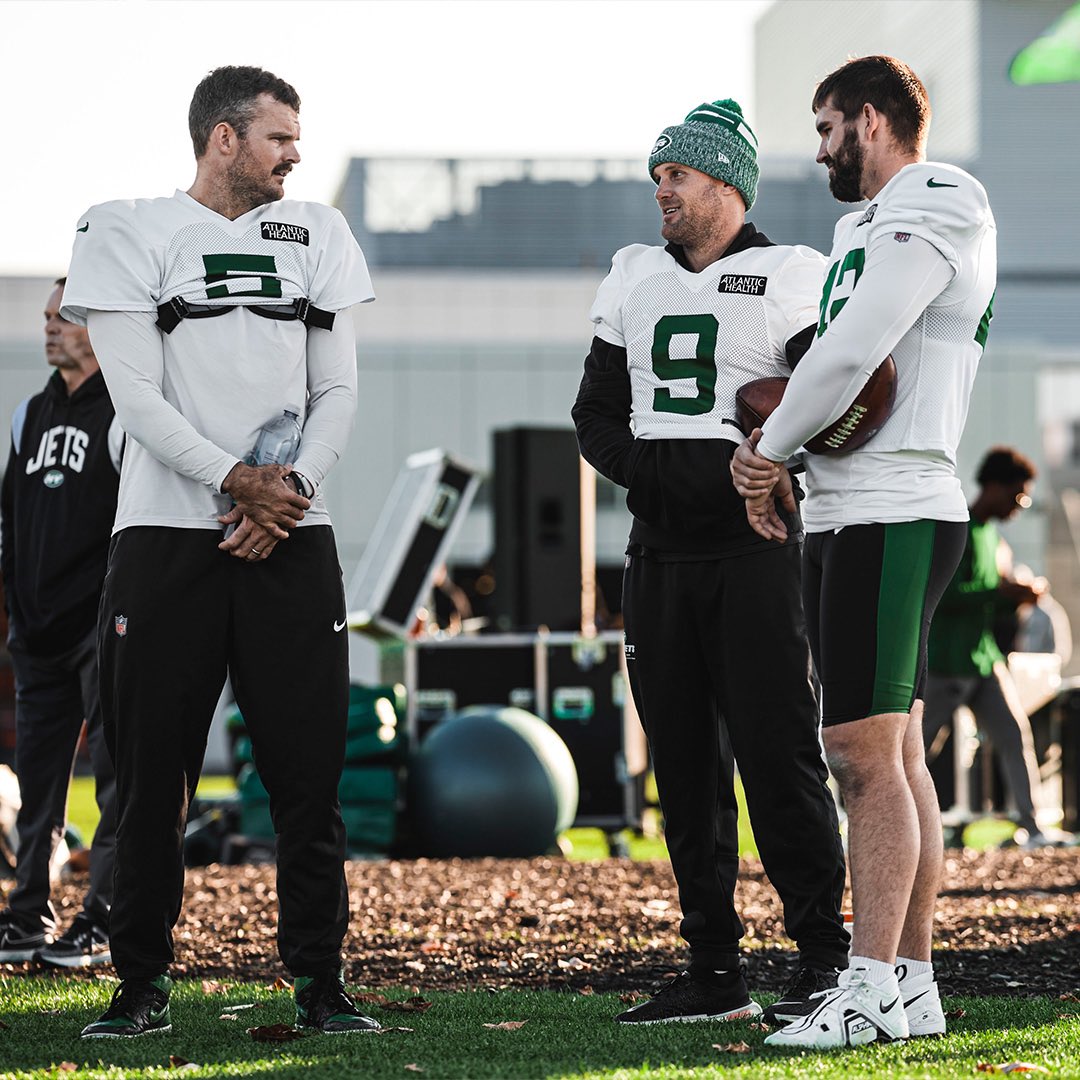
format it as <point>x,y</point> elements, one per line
<point>249,185</point>
<point>845,179</point>
<point>696,227</point>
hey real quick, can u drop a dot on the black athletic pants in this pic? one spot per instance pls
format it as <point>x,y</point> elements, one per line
<point>53,695</point>
<point>720,673</point>
<point>176,616</point>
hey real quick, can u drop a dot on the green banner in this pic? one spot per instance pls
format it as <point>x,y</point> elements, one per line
<point>1054,57</point>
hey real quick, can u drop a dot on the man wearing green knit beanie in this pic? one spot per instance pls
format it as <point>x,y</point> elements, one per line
<point>715,629</point>
<point>716,140</point>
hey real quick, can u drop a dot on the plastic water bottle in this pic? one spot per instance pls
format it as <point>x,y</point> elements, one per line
<point>278,440</point>
<point>276,444</point>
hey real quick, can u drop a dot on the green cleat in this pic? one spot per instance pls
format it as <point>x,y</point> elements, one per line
<point>139,1007</point>
<point>323,1004</point>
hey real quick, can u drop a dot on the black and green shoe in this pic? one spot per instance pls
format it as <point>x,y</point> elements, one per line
<point>139,1007</point>
<point>323,1004</point>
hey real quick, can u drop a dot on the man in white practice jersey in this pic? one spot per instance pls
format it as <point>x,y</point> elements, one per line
<point>211,312</point>
<point>912,274</point>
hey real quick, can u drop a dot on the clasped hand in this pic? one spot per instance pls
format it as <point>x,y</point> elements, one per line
<point>267,506</point>
<point>761,482</point>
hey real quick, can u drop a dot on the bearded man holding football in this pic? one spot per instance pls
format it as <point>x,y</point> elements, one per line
<point>912,275</point>
<point>716,641</point>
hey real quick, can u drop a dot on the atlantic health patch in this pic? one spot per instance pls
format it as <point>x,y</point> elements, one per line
<point>749,284</point>
<point>278,230</point>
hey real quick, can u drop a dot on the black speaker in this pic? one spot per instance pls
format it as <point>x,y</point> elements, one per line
<point>537,529</point>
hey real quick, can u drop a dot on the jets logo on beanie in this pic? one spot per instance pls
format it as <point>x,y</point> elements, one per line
<point>716,140</point>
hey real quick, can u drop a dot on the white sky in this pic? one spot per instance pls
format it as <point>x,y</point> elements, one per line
<point>96,92</point>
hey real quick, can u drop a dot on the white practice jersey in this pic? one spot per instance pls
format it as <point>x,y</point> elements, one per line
<point>692,339</point>
<point>228,375</point>
<point>912,275</point>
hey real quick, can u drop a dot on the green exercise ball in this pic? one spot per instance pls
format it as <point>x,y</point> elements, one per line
<point>493,781</point>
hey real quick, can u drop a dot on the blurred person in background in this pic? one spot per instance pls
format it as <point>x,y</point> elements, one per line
<point>56,514</point>
<point>966,663</point>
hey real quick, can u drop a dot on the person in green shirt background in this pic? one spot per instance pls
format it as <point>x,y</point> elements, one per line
<point>965,664</point>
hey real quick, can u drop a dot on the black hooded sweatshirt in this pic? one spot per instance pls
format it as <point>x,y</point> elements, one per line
<point>57,506</point>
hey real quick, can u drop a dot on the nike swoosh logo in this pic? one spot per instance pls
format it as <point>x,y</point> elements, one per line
<point>911,1001</point>
<point>83,228</point>
<point>933,183</point>
<point>338,626</point>
<point>891,1005</point>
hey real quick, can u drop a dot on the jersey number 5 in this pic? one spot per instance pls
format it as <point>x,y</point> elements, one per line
<point>701,366</point>
<point>224,267</point>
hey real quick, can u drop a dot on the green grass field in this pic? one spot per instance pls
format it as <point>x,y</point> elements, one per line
<point>564,1035</point>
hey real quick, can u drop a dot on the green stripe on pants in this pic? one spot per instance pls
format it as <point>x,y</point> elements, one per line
<point>905,573</point>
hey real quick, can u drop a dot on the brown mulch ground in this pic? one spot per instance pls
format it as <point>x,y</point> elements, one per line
<point>1008,923</point>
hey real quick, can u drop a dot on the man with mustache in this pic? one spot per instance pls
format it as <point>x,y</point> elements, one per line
<point>912,275</point>
<point>715,634</point>
<point>212,312</point>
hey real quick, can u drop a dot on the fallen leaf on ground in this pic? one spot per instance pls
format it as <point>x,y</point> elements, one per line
<point>67,1066</point>
<point>416,965</point>
<point>209,986</point>
<point>1012,1067</point>
<point>732,1048</point>
<point>632,997</point>
<point>414,1068</point>
<point>575,963</point>
<point>756,1026</point>
<point>429,947</point>
<point>507,1025</point>
<point>275,1033</point>
<point>414,1004</point>
<point>370,999</point>
<point>175,1060</point>
<point>587,991</point>
<point>1070,996</point>
<point>53,1012</point>
<point>281,984</point>
<point>956,1014</point>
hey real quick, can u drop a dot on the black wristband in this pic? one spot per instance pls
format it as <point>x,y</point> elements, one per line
<point>302,484</point>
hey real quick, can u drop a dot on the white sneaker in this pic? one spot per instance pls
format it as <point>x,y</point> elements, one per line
<point>922,1002</point>
<point>855,1013</point>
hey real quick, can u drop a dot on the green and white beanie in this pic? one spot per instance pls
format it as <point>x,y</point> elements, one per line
<point>716,140</point>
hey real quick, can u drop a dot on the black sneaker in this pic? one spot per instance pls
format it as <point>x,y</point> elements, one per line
<point>688,998</point>
<point>21,938</point>
<point>322,1004</point>
<point>83,944</point>
<point>139,1007</point>
<point>795,1002</point>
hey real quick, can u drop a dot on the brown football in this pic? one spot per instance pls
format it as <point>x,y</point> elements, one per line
<point>756,400</point>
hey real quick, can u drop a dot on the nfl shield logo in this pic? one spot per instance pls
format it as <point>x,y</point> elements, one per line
<point>121,625</point>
